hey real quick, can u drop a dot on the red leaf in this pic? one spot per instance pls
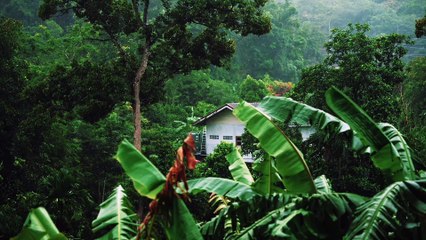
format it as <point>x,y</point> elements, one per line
<point>189,149</point>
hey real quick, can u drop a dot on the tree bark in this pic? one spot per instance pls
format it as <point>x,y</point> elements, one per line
<point>137,140</point>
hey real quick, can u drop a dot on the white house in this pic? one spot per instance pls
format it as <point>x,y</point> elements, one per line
<point>222,125</point>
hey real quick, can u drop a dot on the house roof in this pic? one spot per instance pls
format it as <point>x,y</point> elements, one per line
<point>228,106</point>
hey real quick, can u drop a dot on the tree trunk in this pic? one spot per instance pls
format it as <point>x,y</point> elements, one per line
<point>137,106</point>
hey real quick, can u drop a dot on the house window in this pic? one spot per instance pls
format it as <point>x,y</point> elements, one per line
<point>216,137</point>
<point>227,138</point>
<point>238,141</point>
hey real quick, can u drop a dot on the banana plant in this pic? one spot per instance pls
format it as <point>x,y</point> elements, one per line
<point>388,149</point>
<point>389,152</point>
<point>39,226</point>
<point>175,217</point>
<point>393,213</point>
<point>288,110</point>
<point>290,164</point>
<point>238,167</point>
<point>116,218</point>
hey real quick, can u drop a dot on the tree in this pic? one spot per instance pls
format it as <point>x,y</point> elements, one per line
<point>421,27</point>
<point>414,108</point>
<point>174,37</point>
<point>190,89</point>
<point>282,53</point>
<point>369,69</point>
<point>252,90</point>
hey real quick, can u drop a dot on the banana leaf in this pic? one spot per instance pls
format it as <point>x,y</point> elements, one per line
<point>116,218</point>
<point>248,233</point>
<point>267,182</point>
<point>289,160</point>
<point>323,184</point>
<point>401,146</point>
<point>147,179</point>
<point>238,167</point>
<point>391,213</point>
<point>216,225</point>
<point>221,186</point>
<point>287,110</point>
<point>384,154</point>
<point>183,225</point>
<point>39,225</point>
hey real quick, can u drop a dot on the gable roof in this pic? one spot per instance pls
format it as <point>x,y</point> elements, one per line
<point>228,106</point>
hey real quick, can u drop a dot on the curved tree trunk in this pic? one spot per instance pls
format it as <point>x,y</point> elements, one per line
<point>137,106</point>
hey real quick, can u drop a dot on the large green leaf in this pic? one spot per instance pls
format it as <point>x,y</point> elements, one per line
<point>385,156</point>
<point>389,212</point>
<point>183,225</point>
<point>401,146</point>
<point>289,160</point>
<point>248,232</point>
<point>116,218</point>
<point>267,182</point>
<point>39,226</point>
<point>323,184</point>
<point>216,225</point>
<point>314,216</point>
<point>238,167</point>
<point>287,110</point>
<point>147,179</point>
<point>221,186</point>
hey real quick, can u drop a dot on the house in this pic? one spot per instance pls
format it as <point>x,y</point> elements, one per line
<point>221,125</point>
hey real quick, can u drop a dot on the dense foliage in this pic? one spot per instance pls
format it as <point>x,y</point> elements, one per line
<point>66,102</point>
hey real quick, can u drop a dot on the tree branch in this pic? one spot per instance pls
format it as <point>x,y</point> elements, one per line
<point>99,39</point>
<point>145,13</point>
<point>117,44</point>
<point>135,5</point>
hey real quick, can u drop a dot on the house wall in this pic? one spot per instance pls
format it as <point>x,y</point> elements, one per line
<point>306,132</point>
<point>220,125</point>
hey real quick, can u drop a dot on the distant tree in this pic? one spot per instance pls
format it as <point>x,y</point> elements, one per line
<point>369,69</point>
<point>285,51</point>
<point>421,27</point>
<point>252,90</point>
<point>189,89</point>
<point>11,105</point>
<point>414,109</point>
<point>278,88</point>
<point>173,36</point>
<point>415,91</point>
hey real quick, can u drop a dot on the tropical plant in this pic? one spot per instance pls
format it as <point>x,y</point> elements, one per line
<point>39,225</point>
<point>116,217</point>
<point>284,201</point>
